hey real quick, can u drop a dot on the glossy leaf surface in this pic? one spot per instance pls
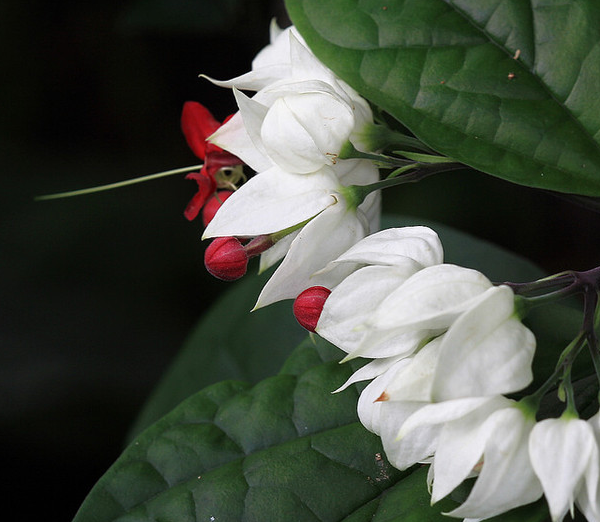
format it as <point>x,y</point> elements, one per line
<point>508,87</point>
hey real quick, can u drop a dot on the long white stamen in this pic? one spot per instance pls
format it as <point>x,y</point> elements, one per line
<point>118,184</point>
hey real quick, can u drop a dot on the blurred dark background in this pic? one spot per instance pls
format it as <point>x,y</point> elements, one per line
<point>99,292</point>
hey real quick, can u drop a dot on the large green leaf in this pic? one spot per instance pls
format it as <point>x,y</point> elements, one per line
<point>508,87</point>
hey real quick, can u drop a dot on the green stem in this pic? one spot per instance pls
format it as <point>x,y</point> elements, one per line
<point>565,361</point>
<point>380,136</point>
<point>562,279</point>
<point>357,193</point>
<point>118,184</point>
<point>348,151</point>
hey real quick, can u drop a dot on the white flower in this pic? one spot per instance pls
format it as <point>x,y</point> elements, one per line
<point>415,439</point>
<point>323,238</point>
<point>299,121</point>
<point>496,444</point>
<point>482,355</point>
<point>290,133</point>
<point>433,299</point>
<point>486,351</point>
<point>391,256</point>
<point>446,344</point>
<point>275,201</point>
<point>565,456</point>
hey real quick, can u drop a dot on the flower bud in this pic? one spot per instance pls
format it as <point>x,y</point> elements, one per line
<point>309,305</point>
<point>213,204</point>
<point>226,259</point>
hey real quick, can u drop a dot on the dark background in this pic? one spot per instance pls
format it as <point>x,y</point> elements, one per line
<point>97,293</point>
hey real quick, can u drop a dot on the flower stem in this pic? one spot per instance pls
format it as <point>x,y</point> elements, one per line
<point>565,362</point>
<point>118,184</point>
<point>357,193</point>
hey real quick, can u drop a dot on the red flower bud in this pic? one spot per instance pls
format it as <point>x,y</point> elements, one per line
<point>213,204</point>
<point>309,305</point>
<point>226,259</point>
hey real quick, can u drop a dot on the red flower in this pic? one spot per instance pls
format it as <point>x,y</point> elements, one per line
<point>197,124</point>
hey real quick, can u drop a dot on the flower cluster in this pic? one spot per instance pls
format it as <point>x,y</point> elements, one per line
<point>291,133</point>
<point>447,346</point>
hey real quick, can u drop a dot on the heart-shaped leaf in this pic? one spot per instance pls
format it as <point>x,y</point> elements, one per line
<point>506,86</point>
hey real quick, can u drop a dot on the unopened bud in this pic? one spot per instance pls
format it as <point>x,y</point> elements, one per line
<point>213,204</point>
<point>226,259</point>
<point>309,305</point>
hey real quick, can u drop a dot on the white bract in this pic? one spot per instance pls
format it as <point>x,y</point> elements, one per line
<point>496,446</point>
<point>588,499</point>
<point>391,257</point>
<point>298,122</point>
<point>565,456</point>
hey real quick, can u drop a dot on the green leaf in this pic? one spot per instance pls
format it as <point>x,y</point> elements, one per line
<point>505,86</point>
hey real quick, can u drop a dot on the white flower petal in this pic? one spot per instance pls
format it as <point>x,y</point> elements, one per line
<point>322,239</point>
<point>371,370</point>
<point>486,351</point>
<point>588,500</point>
<point>432,298</point>
<point>305,64</point>
<point>233,137</point>
<point>369,407</point>
<point>276,252</point>
<point>302,132</point>
<point>507,479</point>
<point>460,447</point>
<point>256,79</point>
<point>392,415</point>
<point>561,451</point>
<point>440,412</point>
<point>273,201</point>
<point>352,301</point>
<point>389,343</point>
<point>253,113</point>
<point>419,434</point>
<point>414,383</point>
<point>271,64</point>
<point>394,245</point>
